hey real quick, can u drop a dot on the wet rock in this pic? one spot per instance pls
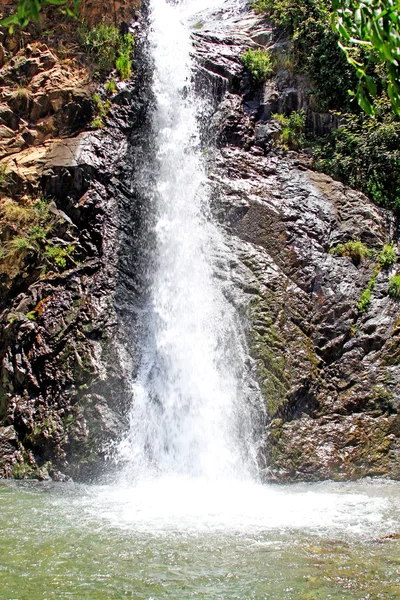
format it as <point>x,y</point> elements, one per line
<point>329,375</point>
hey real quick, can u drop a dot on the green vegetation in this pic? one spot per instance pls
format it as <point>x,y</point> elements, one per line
<point>365,301</point>
<point>374,26</point>
<point>30,228</point>
<point>59,255</point>
<point>355,249</point>
<point>28,10</point>
<point>111,87</point>
<point>314,47</point>
<point>394,286</point>
<point>358,251</point>
<point>364,151</point>
<point>292,135</point>
<point>101,108</point>
<point>388,256</point>
<point>259,63</point>
<point>123,63</point>
<point>109,49</point>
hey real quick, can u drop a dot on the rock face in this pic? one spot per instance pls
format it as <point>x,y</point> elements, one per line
<point>329,374</point>
<point>64,394</point>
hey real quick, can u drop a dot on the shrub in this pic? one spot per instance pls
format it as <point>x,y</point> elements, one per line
<point>314,47</point>
<point>394,286</point>
<point>259,63</point>
<point>109,49</point>
<point>292,134</point>
<point>355,249</point>
<point>388,256</point>
<point>364,152</point>
<point>101,42</point>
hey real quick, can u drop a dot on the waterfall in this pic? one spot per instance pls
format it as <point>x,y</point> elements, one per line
<point>190,414</point>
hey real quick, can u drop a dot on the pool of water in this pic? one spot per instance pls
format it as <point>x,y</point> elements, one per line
<point>192,539</point>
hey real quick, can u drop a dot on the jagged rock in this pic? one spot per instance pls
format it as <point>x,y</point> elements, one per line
<point>329,374</point>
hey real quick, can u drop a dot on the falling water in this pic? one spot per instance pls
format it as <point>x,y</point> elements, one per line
<point>195,522</point>
<point>189,415</point>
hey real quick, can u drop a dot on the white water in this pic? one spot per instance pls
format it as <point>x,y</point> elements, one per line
<point>189,415</point>
<point>189,459</point>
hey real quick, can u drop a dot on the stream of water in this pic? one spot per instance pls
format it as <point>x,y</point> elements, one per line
<point>186,516</point>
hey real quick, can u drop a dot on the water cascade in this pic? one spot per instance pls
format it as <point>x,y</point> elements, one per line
<point>186,516</point>
<point>190,415</point>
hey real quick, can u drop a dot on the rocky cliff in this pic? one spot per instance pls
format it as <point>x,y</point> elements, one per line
<point>66,210</point>
<point>328,371</point>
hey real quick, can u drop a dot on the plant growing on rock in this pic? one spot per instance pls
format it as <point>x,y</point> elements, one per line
<point>394,286</point>
<point>355,249</point>
<point>123,63</point>
<point>292,134</point>
<point>58,255</point>
<point>28,229</point>
<point>101,42</point>
<point>388,256</point>
<point>102,109</point>
<point>259,63</point>
<point>109,48</point>
<point>365,301</point>
<point>4,176</point>
<point>111,87</point>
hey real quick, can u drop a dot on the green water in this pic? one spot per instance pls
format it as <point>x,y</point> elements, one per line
<point>65,541</point>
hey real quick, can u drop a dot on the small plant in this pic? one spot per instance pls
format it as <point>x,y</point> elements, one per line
<point>20,243</point>
<point>355,249</point>
<point>388,256</point>
<point>124,66</point>
<point>123,63</point>
<point>97,123</point>
<point>111,87</point>
<point>394,286</point>
<point>102,109</point>
<point>292,134</point>
<point>59,255</point>
<point>22,95</point>
<point>5,179</point>
<point>259,63</point>
<point>365,301</point>
<point>109,49</point>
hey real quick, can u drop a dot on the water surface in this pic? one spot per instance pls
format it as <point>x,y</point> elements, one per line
<point>180,539</point>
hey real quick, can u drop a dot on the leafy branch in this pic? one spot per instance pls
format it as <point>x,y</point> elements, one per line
<point>373,26</point>
<point>28,10</point>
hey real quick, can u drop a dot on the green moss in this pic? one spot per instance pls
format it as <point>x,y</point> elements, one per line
<point>265,348</point>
